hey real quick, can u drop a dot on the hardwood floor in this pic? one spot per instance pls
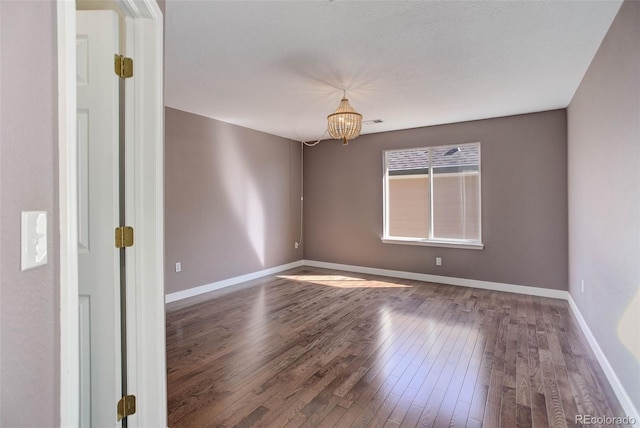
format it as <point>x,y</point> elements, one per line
<point>319,348</point>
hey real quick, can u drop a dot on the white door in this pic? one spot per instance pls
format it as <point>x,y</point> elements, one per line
<point>98,215</point>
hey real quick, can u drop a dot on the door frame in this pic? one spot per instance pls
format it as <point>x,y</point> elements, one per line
<point>146,312</point>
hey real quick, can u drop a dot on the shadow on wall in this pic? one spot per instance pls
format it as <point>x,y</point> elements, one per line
<point>243,194</point>
<point>232,204</point>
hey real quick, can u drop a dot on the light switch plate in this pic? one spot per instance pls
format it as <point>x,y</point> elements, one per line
<point>34,239</point>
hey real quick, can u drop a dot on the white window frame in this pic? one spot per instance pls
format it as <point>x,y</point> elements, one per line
<point>471,244</point>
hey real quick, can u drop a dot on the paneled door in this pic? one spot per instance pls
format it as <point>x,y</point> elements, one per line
<point>98,216</point>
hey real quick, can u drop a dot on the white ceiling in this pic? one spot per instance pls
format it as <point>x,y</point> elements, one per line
<point>280,66</point>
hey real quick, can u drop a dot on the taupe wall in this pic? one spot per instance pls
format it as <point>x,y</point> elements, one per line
<point>29,302</point>
<point>604,196</point>
<point>232,200</point>
<point>524,202</point>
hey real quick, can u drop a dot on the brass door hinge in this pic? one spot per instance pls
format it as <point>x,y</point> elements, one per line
<point>126,406</point>
<point>124,236</point>
<point>123,66</point>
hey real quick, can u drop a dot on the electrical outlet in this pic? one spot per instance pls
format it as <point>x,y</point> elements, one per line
<point>583,285</point>
<point>438,261</point>
<point>296,245</point>
<point>178,267</point>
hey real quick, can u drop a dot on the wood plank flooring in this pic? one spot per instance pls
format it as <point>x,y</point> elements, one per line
<point>319,348</point>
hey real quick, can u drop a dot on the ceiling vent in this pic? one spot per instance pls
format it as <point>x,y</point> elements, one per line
<point>373,122</point>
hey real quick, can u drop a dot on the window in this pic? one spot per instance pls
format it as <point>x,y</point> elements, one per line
<point>432,196</point>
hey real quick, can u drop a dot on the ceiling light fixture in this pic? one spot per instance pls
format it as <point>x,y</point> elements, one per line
<point>345,123</point>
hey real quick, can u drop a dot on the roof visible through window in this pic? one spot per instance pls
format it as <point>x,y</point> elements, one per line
<point>416,161</point>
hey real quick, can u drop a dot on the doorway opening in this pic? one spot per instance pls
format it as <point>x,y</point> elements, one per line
<point>145,342</point>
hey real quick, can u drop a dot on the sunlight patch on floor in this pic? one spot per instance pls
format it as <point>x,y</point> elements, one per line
<point>342,281</point>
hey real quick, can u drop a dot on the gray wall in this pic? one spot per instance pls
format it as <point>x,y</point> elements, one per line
<point>524,202</point>
<point>604,196</point>
<point>232,200</point>
<point>29,301</point>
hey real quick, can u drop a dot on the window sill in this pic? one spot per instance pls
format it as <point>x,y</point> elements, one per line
<point>433,243</point>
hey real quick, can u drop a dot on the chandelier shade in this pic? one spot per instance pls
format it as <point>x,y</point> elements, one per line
<point>345,123</point>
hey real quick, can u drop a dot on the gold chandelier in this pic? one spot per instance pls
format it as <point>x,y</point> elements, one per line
<point>345,123</point>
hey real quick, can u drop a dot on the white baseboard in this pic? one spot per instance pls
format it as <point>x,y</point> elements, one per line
<point>615,383</point>
<point>497,286</point>
<point>195,291</point>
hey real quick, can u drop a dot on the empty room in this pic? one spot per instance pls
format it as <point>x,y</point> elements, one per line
<point>470,259</point>
<point>319,213</point>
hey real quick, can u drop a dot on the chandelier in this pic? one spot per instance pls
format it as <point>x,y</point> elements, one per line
<point>345,123</point>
